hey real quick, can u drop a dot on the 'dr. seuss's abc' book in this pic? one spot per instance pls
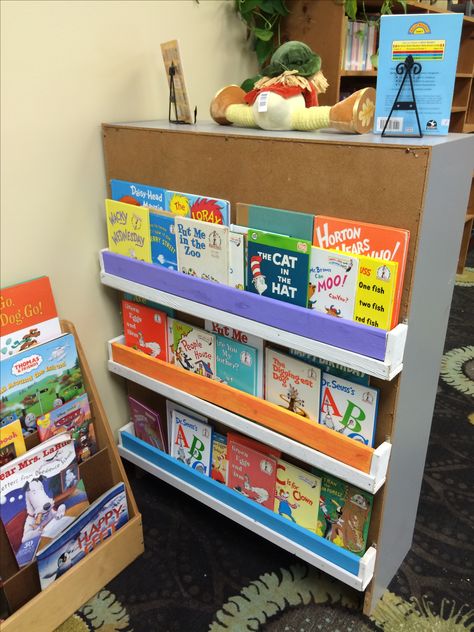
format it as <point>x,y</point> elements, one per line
<point>204,209</point>
<point>194,349</point>
<point>297,495</point>
<point>138,194</point>
<point>203,249</point>
<point>191,442</point>
<point>236,364</point>
<point>128,229</point>
<point>173,406</point>
<point>163,239</point>
<point>145,329</point>
<point>219,458</point>
<point>332,282</point>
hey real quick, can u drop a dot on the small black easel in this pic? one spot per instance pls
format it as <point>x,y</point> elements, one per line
<point>406,68</point>
<point>172,99</point>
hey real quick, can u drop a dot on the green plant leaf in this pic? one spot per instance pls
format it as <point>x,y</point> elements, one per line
<point>350,7</point>
<point>404,4</point>
<point>263,49</point>
<point>247,6</point>
<point>263,34</point>
<point>274,6</point>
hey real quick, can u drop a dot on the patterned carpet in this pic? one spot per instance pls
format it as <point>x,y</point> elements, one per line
<point>201,572</point>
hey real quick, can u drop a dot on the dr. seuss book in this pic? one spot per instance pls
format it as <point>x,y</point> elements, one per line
<point>332,282</point>
<point>145,329</point>
<point>128,229</point>
<point>147,424</point>
<point>278,267</point>
<point>219,458</point>
<point>275,220</point>
<point>194,349</point>
<point>203,249</point>
<point>37,380</point>
<point>371,240</point>
<point>292,384</point>
<point>73,417</point>
<point>191,441</point>
<point>12,443</point>
<point>332,367</point>
<point>172,406</point>
<point>344,514</point>
<point>102,519</point>
<point>204,209</point>
<point>236,364</point>
<point>376,285</point>
<point>297,495</point>
<point>138,194</point>
<point>28,316</point>
<point>40,495</point>
<point>349,408</point>
<point>237,247</point>
<point>432,40</point>
<point>163,239</point>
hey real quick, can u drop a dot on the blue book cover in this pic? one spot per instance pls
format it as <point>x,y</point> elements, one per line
<point>139,194</point>
<point>163,240</point>
<point>237,364</point>
<point>205,209</point>
<point>433,42</point>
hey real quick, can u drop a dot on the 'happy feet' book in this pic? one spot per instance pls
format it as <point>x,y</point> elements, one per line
<point>128,229</point>
<point>203,249</point>
<point>297,495</point>
<point>191,441</point>
<point>145,329</point>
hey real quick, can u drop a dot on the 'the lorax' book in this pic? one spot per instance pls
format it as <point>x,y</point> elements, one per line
<point>371,240</point>
<point>204,209</point>
<point>297,495</point>
<point>194,349</point>
<point>191,442</point>
<point>128,229</point>
<point>163,239</point>
<point>376,286</point>
<point>278,267</point>
<point>237,364</point>
<point>145,329</point>
<point>203,249</point>
<point>138,194</point>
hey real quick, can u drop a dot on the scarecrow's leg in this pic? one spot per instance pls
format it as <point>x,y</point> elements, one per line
<point>228,106</point>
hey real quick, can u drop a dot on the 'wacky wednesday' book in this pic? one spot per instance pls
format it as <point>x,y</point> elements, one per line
<point>236,364</point>
<point>203,249</point>
<point>278,267</point>
<point>163,239</point>
<point>145,329</point>
<point>194,349</point>
<point>191,442</point>
<point>128,229</point>
<point>204,209</point>
<point>297,495</point>
<point>138,194</point>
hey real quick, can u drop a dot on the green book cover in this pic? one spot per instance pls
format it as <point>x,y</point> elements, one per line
<point>291,223</point>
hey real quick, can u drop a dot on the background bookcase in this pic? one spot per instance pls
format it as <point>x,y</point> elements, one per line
<point>421,185</point>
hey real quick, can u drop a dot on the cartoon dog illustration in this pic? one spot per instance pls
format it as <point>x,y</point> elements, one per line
<point>39,507</point>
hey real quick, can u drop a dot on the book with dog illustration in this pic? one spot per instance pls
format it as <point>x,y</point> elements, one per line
<point>292,384</point>
<point>237,364</point>
<point>297,495</point>
<point>138,194</point>
<point>145,329</point>
<point>146,423</point>
<point>194,349</point>
<point>102,519</point>
<point>375,295</point>
<point>219,458</point>
<point>12,442</point>
<point>203,249</point>
<point>28,316</point>
<point>40,495</point>
<point>163,239</point>
<point>191,441</point>
<point>128,229</point>
<point>204,209</point>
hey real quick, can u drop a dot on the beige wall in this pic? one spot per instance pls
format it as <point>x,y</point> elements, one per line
<point>65,68</point>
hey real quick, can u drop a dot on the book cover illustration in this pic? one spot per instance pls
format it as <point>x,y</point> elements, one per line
<point>332,283</point>
<point>171,358</point>
<point>204,209</point>
<point>172,406</point>
<point>12,442</point>
<point>163,239</point>
<point>236,364</point>
<point>134,298</point>
<point>128,229</point>
<point>371,240</point>
<point>349,408</point>
<point>37,380</point>
<point>332,367</point>
<point>194,349</point>
<point>278,267</point>
<point>219,458</point>
<point>203,249</point>
<point>292,384</point>
<point>375,295</point>
<point>276,220</point>
<point>344,514</point>
<point>147,424</point>
<point>297,495</point>
<point>433,42</point>
<point>75,418</point>
<point>40,495</point>
<point>191,442</point>
<point>237,249</point>
<point>145,329</point>
<point>138,194</point>
<point>103,518</point>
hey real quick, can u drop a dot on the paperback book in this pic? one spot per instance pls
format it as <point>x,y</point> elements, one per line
<point>275,220</point>
<point>12,442</point>
<point>297,495</point>
<point>194,349</point>
<point>163,239</point>
<point>332,283</point>
<point>146,423</point>
<point>191,442</point>
<point>219,458</point>
<point>138,194</point>
<point>145,329</point>
<point>204,209</point>
<point>375,295</point>
<point>237,364</point>
<point>128,229</point>
<point>202,249</point>
<point>237,248</point>
<point>172,406</point>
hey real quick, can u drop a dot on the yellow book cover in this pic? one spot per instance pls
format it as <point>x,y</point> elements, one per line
<point>128,229</point>
<point>12,443</point>
<point>375,294</point>
<point>297,495</point>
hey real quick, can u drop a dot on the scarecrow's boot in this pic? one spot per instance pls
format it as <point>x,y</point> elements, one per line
<point>228,106</point>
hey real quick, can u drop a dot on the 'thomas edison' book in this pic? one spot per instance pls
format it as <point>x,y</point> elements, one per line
<point>203,249</point>
<point>128,229</point>
<point>191,442</point>
<point>297,495</point>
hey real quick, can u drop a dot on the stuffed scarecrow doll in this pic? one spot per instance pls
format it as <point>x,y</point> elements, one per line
<point>286,97</point>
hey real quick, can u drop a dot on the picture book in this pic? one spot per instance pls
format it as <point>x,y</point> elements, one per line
<point>28,316</point>
<point>145,329</point>
<point>251,473</point>
<point>12,443</point>
<point>297,495</point>
<point>219,458</point>
<point>37,380</point>
<point>276,220</point>
<point>332,283</point>
<point>371,240</point>
<point>75,418</point>
<point>376,286</point>
<point>128,229</point>
<point>143,301</point>
<point>191,441</point>
<point>203,249</point>
<point>237,364</point>
<point>172,406</point>
<point>278,267</point>
<point>237,249</point>
<point>103,518</point>
<point>344,514</point>
<point>292,384</point>
<point>432,40</point>
<point>40,495</point>
<point>333,367</point>
<point>147,424</point>
<point>194,349</point>
<point>163,240</point>
<point>170,331</point>
<point>254,444</point>
<point>204,209</point>
<point>138,194</point>
<point>349,408</point>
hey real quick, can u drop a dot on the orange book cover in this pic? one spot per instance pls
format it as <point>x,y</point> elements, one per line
<point>372,240</point>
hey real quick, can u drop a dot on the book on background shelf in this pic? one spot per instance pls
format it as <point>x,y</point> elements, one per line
<point>104,517</point>
<point>375,295</point>
<point>147,424</point>
<point>291,223</point>
<point>191,441</point>
<point>194,349</point>
<point>128,230</point>
<point>145,329</point>
<point>202,249</point>
<point>297,495</point>
<point>198,207</point>
<point>138,194</point>
<point>173,406</point>
<point>219,458</point>
<point>237,364</point>
<point>12,442</point>
<point>163,239</point>
<point>28,316</point>
<point>237,258</point>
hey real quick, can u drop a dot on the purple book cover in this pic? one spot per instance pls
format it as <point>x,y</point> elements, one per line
<point>147,424</point>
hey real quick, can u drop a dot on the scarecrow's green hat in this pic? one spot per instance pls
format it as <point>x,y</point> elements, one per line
<point>293,55</point>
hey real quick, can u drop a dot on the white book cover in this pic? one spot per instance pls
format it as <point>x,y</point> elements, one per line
<point>203,249</point>
<point>237,260</point>
<point>191,442</point>
<point>349,408</point>
<point>292,384</point>
<point>333,282</point>
<point>170,407</point>
<point>194,349</point>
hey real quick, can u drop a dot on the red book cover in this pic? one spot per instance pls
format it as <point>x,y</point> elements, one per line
<point>145,329</point>
<point>252,443</point>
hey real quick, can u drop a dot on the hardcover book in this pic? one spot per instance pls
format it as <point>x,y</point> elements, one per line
<point>147,424</point>
<point>194,349</point>
<point>191,442</point>
<point>219,458</point>
<point>237,249</point>
<point>332,283</point>
<point>163,239</point>
<point>138,194</point>
<point>275,220</point>
<point>349,408</point>
<point>297,495</point>
<point>278,267</point>
<point>172,406</point>
<point>128,229</point>
<point>145,329</point>
<point>332,367</point>
<point>203,249</point>
<point>12,443</point>
<point>376,286</point>
<point>204,209</point>
<point>292,384</point>
<point>236,364</point>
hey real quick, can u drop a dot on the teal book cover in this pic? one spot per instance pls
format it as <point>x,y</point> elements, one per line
<point>163,240</point>
<point>237,364</point>
<point>291,223</point>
